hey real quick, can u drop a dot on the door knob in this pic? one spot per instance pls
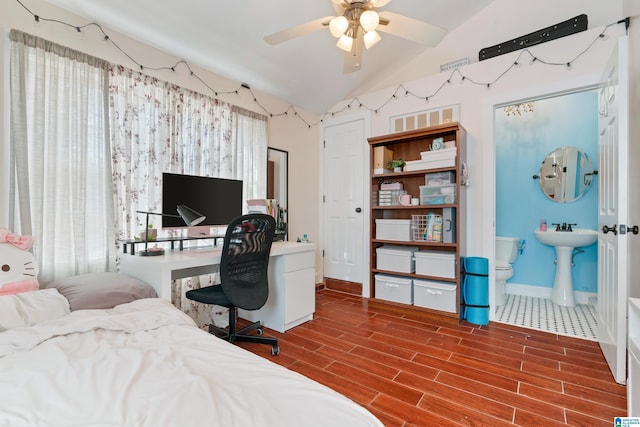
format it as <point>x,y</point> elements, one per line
<point>633,229</point>
<point>613,229</point>
<point>358,210</point>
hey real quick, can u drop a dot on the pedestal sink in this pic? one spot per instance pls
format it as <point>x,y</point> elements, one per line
<point>565,242</point>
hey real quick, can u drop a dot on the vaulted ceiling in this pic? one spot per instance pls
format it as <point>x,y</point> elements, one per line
<point>227,37</point>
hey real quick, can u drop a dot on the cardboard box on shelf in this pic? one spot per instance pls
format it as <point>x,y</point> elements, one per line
<point>381,157</point>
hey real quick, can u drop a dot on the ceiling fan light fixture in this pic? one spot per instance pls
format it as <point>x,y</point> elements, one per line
<point>345,43</point>
<point>369,20</point>
<point>338,25</point>
<point>371,38</point>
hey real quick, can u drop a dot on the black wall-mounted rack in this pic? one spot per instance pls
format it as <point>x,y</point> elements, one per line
<point>566,28</point>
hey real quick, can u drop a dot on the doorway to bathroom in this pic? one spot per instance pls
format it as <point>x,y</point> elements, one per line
<point>546,162</point>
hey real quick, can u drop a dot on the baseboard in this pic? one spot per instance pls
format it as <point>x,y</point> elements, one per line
<point>581,297</point>
<point>343,286</point>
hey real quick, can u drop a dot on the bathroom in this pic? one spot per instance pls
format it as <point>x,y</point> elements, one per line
<point>525,134</point>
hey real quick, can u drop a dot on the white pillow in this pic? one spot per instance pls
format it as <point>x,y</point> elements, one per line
<point>30,308</point>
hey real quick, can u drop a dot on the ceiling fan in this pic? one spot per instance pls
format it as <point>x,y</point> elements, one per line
<point>357,23</point>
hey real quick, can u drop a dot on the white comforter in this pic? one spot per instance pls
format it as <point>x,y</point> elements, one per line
<point>146,364</point>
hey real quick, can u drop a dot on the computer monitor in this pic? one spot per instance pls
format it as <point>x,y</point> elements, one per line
<point>218,199</point>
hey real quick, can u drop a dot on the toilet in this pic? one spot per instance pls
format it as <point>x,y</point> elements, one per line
<point>506,253</point>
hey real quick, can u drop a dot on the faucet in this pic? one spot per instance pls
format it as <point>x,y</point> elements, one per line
<point>564,226</point>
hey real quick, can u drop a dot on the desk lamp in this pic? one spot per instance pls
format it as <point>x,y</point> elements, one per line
<point>188,215</point>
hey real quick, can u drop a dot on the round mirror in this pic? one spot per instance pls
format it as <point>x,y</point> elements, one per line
<point>566,173</point>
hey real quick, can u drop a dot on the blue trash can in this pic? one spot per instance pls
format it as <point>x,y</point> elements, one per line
<point>475,290</point>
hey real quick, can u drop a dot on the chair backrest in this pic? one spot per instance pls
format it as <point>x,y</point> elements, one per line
<point>245,259</point>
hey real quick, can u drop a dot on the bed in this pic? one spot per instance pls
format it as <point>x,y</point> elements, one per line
<point>145,363</point>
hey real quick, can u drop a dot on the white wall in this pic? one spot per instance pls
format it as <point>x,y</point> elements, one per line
<point>301,143</point>
<point>500,21</point>
<point>285,132</point>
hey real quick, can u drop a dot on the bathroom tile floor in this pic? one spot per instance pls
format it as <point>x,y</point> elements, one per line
<point>540,313</point>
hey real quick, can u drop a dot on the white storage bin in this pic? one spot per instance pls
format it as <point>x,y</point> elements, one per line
<point>396,258</point>
<point>436,263</point>
<point>392,288</point>
<point>418,165</point>
<point>443,154</point>
<point>393,229</point>
<point>435,295</point>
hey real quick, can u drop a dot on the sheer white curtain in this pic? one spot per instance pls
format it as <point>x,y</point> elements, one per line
<point>61,186</point>
<point>159,127</point>
<point>249,140</point>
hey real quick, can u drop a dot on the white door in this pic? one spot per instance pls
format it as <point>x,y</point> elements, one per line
<point>612,211</point>
<point>344,208</point>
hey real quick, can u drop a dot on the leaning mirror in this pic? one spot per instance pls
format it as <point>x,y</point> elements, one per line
<point>566,174</point>
<point>278,187</point>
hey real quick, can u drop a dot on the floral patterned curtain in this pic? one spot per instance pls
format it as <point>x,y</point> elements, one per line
<point>159,127</point>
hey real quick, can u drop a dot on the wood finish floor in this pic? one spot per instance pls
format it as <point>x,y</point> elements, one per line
<point>410,368</point>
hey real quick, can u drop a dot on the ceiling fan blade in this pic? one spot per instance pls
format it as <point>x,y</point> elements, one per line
<point>297,31</point>
<point>353,59</point>
<point>379,3</point>
<point>338,6</point>
<point>412,29</point>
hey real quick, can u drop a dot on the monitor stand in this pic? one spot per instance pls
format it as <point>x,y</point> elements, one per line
<point>199,232</point>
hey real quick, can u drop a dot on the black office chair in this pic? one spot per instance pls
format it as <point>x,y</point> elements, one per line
<point>243,276</point>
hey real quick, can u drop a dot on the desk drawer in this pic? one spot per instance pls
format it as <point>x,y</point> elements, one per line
<point>300,294</point>
<point>297,261</point>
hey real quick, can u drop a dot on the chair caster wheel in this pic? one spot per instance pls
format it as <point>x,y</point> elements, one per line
<point>275,350</point>
<point>259,331</point>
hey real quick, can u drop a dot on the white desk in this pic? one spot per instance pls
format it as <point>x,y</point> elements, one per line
<point>291,279</point>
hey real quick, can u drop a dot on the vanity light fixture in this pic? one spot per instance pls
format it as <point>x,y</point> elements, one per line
<point>519,109</point>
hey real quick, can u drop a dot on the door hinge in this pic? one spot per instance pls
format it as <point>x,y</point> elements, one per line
<point>324,144</point>
<point>323,253</point>
<point>324,198</point>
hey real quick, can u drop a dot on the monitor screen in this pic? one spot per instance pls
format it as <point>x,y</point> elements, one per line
<point>219,200</point>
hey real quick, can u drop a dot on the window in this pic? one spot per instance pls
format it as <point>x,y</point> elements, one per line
<point>89,143</point>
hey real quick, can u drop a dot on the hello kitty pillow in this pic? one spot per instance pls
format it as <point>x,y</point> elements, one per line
<point>18,267</point>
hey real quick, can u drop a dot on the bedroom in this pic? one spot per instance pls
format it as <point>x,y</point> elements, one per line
<point>302,141</point>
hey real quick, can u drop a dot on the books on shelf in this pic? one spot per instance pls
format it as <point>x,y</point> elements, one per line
<point>427,227</point>
<point>433,230</point>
